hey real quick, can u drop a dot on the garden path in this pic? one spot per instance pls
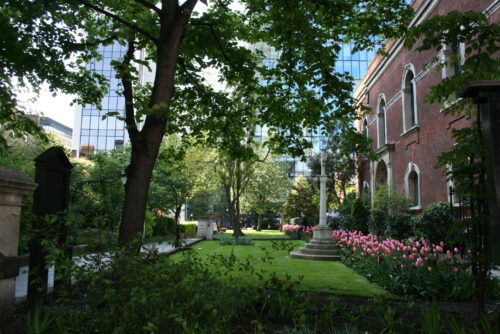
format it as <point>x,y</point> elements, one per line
<point>22,278</point>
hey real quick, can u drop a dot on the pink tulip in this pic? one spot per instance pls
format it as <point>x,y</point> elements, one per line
<point>455,269</point>
<point>429,268</point>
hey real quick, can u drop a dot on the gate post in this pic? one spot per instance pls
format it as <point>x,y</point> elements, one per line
<point>51,198</point>
<point>14,185</point>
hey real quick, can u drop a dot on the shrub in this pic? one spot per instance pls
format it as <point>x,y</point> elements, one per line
<point>346,207</point>
<point>149,224</point>
<point>241,241</point>
<point>189,229</point>
<point>393,202</point>
<point>377,224</point>
<point>359,216</point>
<point>437,223</point>
<point>164,226</point>
<point>400,226</point>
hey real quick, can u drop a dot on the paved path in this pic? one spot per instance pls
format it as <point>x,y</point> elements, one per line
<point>22,279</point>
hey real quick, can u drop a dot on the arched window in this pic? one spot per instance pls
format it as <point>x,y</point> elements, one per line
<point>381,175</point>
<point>412,185</point>
<point>409,99</point>
<point>413,193</point>
<point>365,128</point>
<point>381,123</point>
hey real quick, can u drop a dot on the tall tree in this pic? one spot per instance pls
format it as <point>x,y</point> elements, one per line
<point>302,89</point>
<point>267,190</point>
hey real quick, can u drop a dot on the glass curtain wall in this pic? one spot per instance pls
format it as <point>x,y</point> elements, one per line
<point>97,134</point>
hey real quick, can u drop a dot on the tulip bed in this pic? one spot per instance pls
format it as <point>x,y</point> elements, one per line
<point>408,267</point>
<point>292,230</point>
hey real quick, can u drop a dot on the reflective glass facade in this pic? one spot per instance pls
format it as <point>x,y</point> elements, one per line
<point>355,64</point>
<point>94,133</point>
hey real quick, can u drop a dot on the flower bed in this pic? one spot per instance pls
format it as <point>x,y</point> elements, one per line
<point>292,230</point>
<point>408,267</point>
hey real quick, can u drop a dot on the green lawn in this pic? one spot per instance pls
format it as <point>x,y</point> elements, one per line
<point>253,234</point>
<point>318,276</point>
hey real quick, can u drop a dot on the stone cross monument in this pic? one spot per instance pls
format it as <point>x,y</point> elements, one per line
<point>322,246</point>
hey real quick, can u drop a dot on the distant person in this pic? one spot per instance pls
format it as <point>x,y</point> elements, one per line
<point>304,223</point>
<point>333,214</point>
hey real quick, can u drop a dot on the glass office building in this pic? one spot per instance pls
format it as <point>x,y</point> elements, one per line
<point>356,64</point>
<point>92,133</point>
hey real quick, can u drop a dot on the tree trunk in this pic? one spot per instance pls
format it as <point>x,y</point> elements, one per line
<point>178,210</point>
<point>259,222</point>
<point>136,189</point>
<point>146,143</point>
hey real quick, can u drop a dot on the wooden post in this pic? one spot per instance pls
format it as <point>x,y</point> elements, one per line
<point>486,95</point>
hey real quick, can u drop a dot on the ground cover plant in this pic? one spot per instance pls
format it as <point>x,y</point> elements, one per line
<point>191,293</point>
<point>413,268</point>
<point>271,258</point>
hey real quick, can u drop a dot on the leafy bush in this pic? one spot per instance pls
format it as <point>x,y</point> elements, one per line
<point>241,241</point>
<point>359,215</point>
<point>188,229</point>
<point>377,224</point>
<point>437,223</point>
<point>164,226</point>
<point>400,226</point>
<point>390,202</point>
<point>346,207</point>
<point>334,222</point>
<point>96,239</point>
<point>149,224</point>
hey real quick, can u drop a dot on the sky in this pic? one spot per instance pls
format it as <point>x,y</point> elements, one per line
<point>57,108</point>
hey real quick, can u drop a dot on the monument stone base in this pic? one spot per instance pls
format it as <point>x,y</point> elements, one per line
<point>321,247</point>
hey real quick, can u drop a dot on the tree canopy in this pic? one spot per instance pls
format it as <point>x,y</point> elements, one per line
<point>299,89</point>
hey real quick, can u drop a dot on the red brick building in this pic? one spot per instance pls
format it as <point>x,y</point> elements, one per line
<point>407,133</point>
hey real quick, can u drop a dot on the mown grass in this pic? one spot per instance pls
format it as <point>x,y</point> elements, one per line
<point>253,234</point>
<point>314,276</point>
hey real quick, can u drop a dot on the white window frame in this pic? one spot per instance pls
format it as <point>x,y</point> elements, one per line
<point>412,167</point>
<point>405,94</point>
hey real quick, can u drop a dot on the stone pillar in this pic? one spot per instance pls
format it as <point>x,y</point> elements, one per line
<point>322,246</point>
<point>205,229</point>
<point>322,231</point>
<point>322,191</point>
<point>14,185</point>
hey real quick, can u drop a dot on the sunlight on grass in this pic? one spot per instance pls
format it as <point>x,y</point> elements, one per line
<point>253,234</point>
<point>318,276</point>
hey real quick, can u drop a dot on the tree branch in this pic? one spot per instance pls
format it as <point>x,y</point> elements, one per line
<point>128,91</point>
<point>119,19</point>
<point>149,5</point>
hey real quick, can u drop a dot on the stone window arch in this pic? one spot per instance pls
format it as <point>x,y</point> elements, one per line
<point>365,128</point>
<point>412,186</point>
<point>409,98</point>
<point>381,175</point>
<point>381,121</point>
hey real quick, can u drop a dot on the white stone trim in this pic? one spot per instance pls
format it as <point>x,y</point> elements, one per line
<point>412,167</point>
<point>406,70</point>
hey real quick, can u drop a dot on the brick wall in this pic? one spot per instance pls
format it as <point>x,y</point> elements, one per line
<point>423,145</point>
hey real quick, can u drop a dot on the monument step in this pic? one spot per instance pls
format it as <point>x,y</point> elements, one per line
<point>322,242</point>
<point>318,251</point>
<point>299,255</point>
<point>320,246</point>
